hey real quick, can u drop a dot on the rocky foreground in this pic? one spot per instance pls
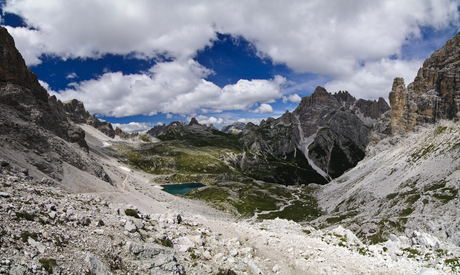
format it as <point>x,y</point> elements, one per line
<point>45,230</point>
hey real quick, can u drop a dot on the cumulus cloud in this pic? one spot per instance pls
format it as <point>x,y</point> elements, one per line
<point>134,126</point>
<point>332,38</point>
<point>264,108</point>
<point>292,98</point>
<point>219,122</point>
<point>315,36</point>
<point>71,76</point>
<point>172,87</point>
<point>375,79</point>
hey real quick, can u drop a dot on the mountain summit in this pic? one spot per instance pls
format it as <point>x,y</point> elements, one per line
<point>330,130</point>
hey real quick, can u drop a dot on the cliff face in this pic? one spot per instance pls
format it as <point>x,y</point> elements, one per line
<point>75,111</point>
<point>330,130</point>
<point>35,124</point>
<point>434,94</point>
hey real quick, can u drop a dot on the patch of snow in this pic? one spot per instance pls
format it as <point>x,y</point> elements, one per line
<point>125,168</point>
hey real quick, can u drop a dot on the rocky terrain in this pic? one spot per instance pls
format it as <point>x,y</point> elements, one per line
<point>409,179</point>
<point>75,111</point>
<point>46,230</point>
<point>33,126</point>
<point>77,200</point>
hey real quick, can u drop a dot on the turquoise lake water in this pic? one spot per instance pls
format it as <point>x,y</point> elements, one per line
<point>180,189</point>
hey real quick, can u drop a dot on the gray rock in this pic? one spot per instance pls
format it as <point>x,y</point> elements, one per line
<point>154,259</point>
<point>234,128</point>
<point>254,268</point>
<point>18,270</point>
<point>40,247</point>
<point>97,267</point>
<point>130,226</point>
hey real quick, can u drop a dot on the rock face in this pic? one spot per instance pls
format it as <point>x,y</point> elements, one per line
<point>35,124</point>
<point>433,95</point>
<point>331,130</point>
<point>156,130</point>
<point>409,178</point>
<point>75,111</point>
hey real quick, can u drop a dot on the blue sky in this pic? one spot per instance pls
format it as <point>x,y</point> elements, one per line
<point>140,63</point>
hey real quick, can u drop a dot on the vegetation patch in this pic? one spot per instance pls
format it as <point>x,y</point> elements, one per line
<point>411,252</point>
<point>165,241</point>
<point>406,212</point>
<point>132,213</point>
<point>446,194</point>
<point>422,152</point>
<point>25,235</point>
<point>48,264</point>
<point>453,263</point>
<point>25,215</point>
<point>439,130</point>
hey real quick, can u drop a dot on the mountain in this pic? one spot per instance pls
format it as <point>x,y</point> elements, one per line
<point>34,128</point>
<point>329,131</point>
<point>409,178</point>
<point>326,135</point>
<point>75,111</point>
<point>402,197</point>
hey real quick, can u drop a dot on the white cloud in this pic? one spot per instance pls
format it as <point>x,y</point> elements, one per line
<point>173,87</point>
<point>219,122</point>
<point>292,98</point>
<point>326,37</point>
<point>375,79</point>
<point>323,37</point>
<point>72,75</point>
<point>134,126</point>
<point>263,109</point>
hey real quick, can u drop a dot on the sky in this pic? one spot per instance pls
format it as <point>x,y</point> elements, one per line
<point>140,63</point>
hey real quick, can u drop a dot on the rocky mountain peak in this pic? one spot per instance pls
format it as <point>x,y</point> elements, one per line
<point>14,69</point>
<point>320,94</point>
<point>234,128</point>
<point>34,128</point>
<point>193,121</point>
<point>433,95</point>
<point>344,98</point>
<point>75,112</point>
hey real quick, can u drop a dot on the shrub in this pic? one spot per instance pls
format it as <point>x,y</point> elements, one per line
<point>132,213</point>
<point>165,241</point>
<point>26,234</point>
<point>25,215</point>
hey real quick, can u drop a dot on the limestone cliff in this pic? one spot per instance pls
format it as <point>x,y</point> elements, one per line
<point>34,123</point>
<point>330,130</point>
<point>434,94</point>
<point>75,111</point>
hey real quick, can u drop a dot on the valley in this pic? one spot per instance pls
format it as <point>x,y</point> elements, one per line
<point>338,186</point>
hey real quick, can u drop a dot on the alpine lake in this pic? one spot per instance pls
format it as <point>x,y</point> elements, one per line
<point>180,189</point>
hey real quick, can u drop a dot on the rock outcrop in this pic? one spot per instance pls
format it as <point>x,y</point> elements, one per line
<point>75,111</point>
<point>34,123</point>
<point>433,95</point>
<point>156,130</point>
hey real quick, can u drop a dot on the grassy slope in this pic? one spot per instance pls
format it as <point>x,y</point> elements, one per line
<point>194,155</point>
